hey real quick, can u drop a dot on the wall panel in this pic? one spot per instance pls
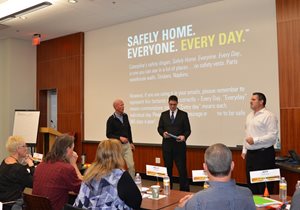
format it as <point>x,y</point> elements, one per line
<point>290,130</point>
<point>288,31</point>
<point>60,67</point>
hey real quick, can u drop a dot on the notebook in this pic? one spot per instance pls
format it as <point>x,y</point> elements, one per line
<point>263,201</point>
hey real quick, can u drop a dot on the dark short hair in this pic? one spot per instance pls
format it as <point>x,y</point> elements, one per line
<point>261,96</point>
<point>59,149</point>
<point>173,98</point>
<point>218,158</point>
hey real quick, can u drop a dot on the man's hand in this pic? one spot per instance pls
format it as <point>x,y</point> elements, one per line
<point>132,147</point>
<point>124,140</point>
<point>243,155</point>
<point>183,200</point>
<point>180,138</point>
<point>250,140</point>
<point>166,135</point>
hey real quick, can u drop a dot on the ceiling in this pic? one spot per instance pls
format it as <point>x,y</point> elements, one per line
<point>62,17</point>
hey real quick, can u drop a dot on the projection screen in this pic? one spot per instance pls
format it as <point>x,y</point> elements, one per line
<point>213,57</point>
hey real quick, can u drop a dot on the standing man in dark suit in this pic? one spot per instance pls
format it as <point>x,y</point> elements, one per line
<point>174,127</point>
<point>118,127</point>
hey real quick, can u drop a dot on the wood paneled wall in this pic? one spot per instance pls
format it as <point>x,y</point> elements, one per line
<point>60,66</point>
<point>288,32</point>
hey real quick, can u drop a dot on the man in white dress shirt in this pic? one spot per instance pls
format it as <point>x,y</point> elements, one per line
<point>261,135</point>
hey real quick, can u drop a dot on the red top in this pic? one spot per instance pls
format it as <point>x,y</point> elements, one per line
<point>55,181</point>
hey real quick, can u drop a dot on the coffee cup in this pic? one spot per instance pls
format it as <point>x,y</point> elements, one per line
<point>155,191</point>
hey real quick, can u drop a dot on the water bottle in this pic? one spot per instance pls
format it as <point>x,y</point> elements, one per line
<point>166,185</point>
<point>297,185</point>
<point>282,189</point>
<point>138,181</point>
<point>83,156</point>
<point>205,185</point>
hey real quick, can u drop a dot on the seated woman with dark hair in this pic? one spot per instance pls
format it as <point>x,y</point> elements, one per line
<point>15,171</point>
<point>58,174</point>
<point>106,184</point>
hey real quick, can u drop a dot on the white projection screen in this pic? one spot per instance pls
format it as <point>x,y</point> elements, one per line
<point>213,57</point>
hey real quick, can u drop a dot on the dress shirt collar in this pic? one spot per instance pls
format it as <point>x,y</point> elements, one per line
<point>175,112</point>
<point>119,116</point>
<point>260,111</point>
<point>222,184</point>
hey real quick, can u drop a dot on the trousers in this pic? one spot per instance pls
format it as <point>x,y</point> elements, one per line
<point>128,157</point>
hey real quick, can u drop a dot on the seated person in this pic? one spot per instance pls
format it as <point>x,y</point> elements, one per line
<point>16,171</point>
<point>58,173</point>
<point>106,184</point>
<point>296,200</point>
<point>222,193</point>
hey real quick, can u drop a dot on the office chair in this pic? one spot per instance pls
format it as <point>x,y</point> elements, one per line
<point>70,207</point>
<point>7,205</point>
<point>34,202</point>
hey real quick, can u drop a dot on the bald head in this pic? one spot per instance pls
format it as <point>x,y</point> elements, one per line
<point>118,106</point>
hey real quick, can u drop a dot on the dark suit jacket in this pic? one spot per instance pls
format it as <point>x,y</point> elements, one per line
<point>115,128</point>
<point>181,125</point>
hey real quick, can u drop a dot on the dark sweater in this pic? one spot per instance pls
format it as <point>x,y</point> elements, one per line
<point>131,197</point>
<point>115,128</point>
<point>13,179</point>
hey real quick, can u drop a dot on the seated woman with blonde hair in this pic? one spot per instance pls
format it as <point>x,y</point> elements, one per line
<point>16,171</point>
<point>106,185</point>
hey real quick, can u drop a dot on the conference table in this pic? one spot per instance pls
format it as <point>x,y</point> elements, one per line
<point>171,201</point>
<point>164,203</point>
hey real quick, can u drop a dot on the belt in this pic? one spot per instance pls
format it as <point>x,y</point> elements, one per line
<point>260,150</point>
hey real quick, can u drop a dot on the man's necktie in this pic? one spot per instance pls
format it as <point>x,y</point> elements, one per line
<point>172,118</point>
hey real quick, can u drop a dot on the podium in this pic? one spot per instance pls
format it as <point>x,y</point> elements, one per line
<point>49,138</point>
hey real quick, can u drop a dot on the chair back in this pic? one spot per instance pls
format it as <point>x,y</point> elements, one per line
<point>35,202</point>
<point>70,207</point>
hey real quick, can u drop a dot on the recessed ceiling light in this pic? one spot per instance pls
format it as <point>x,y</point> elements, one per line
<point>73,1</point>
<point>23,17</point>
<point>14,8</point>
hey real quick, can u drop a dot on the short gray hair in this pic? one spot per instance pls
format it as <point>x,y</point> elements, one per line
<point>218,158</point>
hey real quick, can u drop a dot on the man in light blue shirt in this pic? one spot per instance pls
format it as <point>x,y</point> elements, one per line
<point>296,200</point>
<point>222,193</point>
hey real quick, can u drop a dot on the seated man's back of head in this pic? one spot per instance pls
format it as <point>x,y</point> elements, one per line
<point>223,193</point>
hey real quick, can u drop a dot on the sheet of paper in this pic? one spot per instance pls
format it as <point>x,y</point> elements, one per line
<point>145,189</point>
<point>157,171</point>
<point>160,197</point>
<point>173,136</point>
<point>37,157</point>
<point>145,195</point>
<point>269,175</point>
<point>199,176</point>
